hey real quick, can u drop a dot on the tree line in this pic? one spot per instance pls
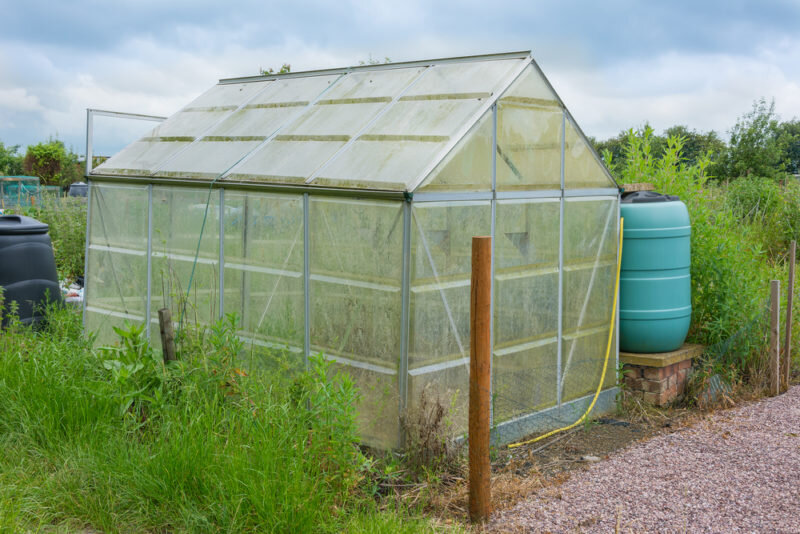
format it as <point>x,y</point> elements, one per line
<point>51,161</point>
<point>759,145</point>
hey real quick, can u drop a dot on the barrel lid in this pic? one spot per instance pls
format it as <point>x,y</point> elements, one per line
<point>21,225</point>
<point>639,197</point>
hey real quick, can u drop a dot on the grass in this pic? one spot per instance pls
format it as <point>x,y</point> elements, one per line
<point>114,440</point>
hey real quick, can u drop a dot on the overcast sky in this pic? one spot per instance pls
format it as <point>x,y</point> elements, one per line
<point>615,63</point>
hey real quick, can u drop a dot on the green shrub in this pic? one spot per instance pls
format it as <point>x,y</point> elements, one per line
<point>730,267</point>
<point>772,210</point>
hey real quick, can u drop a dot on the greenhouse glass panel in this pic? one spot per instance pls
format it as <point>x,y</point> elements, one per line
<point>174,134</point>
<point>464,79</point>
<point>178,214</point>
<point>468,167</point>
<point>524,376</point>
<point>263,248</point>
<point>347,107</point>
<point>395,150</point>
<point>208,159</point>
<point>355,257</point>
<point>143,156</point>
<point>285,161</point>
<point>441,256</point>
<point>529,126</point>
<point>117,259</point>
<point>268,110</point>
<point>380,163</point>
<point>589,272</point>
<point>582,166</point>
<point>246,129</point>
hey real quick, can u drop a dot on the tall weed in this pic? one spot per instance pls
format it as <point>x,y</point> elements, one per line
<point>115,440</point>
<point>730,266</point>
<point>770,208</point>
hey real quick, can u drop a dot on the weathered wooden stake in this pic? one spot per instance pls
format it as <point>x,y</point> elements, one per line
<point>774,335</point>
<point>787,342</point>
<point>480,352</point>
<point>167,334</point>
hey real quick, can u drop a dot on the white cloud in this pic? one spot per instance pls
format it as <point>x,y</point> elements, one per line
<point>18,99</point>
<point>704,92</point>
<point>158,68</point>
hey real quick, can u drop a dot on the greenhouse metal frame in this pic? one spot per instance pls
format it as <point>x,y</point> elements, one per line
<point>352,204</point>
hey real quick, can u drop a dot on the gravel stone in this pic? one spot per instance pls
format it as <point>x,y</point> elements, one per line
<point>736,471</point>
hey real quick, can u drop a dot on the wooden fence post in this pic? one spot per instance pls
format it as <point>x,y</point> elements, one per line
<point>480,354</point>
<point>774,335</point>
<point>787,343</point>
<point>167,334</point>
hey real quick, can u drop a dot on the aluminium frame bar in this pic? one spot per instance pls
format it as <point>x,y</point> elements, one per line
<point>492,287</point>
<point>306,283</point>
<point>405,318</point>
<point>86,252</point>
<point>560,340</point>
<point>255,186</point>
<point>522,54</point>
<point>595,192</point>
<point>525,195</point>
<point>91,113</point>
<point>148,311</point>
<point>447,196</point>
<point>619,252</point>
<point>376,194</point>
<point>221,267</point>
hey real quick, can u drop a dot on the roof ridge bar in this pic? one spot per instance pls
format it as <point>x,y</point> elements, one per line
<point>299,113</point>
<point>454,140</point>
<point>209,129</point>
<point>369,124</point>
<point>522,54</point>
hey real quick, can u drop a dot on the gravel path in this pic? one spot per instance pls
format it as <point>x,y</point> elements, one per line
<point>737,471</point>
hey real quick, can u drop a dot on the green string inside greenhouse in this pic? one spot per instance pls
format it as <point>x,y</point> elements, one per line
<point>196,254</point>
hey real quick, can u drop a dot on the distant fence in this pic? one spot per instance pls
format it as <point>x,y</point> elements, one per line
<point>24,191</point>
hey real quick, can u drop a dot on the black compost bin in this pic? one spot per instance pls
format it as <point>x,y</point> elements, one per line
<point>27,267</point>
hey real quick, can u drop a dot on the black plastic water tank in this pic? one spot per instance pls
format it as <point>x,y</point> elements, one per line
<point>27,266</point>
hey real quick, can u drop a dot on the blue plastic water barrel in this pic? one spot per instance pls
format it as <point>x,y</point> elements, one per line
<point>655,281</point>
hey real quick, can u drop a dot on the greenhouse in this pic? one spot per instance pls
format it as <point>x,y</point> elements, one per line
<point>333,212</point>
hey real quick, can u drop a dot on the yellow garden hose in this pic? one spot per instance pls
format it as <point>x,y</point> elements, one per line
<point>605,362</point>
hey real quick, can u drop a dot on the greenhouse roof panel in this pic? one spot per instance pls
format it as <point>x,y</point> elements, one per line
<point>383,127</point>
